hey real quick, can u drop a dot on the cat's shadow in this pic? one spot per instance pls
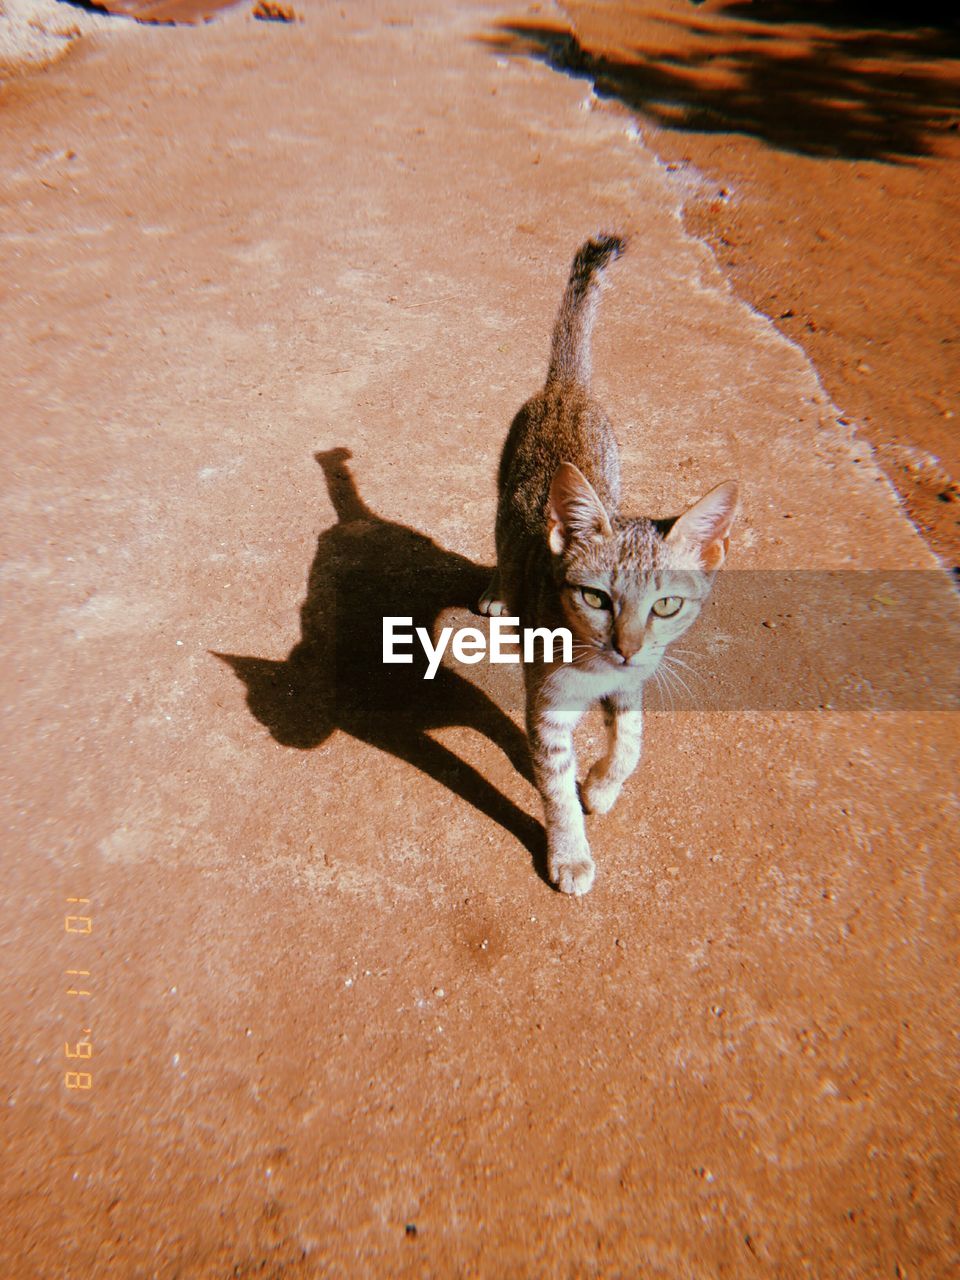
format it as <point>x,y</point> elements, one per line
<point>367,568</point>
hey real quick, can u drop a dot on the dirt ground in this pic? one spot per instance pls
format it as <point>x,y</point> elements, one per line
<point>290,995</point>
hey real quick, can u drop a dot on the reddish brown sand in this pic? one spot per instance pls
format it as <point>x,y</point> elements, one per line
<point>338,1024</point>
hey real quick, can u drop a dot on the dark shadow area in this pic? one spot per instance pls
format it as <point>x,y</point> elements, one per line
<point>882,15</point>
<point>848,81</point>
<point>366,568</point>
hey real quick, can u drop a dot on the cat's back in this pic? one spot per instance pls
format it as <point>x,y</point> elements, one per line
<point>563,423</point>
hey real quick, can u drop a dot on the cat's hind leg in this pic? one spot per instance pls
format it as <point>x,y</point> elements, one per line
<point>605,780</point>
<point>492,603</point>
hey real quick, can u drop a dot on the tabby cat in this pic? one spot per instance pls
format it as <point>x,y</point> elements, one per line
<point>625,586</point>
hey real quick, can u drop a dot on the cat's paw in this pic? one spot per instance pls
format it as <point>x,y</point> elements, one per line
<point>598,794</point>
<point>573,874</point>
<point>491,606</point>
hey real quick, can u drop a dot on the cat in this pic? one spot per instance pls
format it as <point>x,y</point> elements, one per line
<point>625,586</point>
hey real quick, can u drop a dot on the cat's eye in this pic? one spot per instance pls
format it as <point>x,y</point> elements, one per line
<point>595,599</point>
<point>668,607</point>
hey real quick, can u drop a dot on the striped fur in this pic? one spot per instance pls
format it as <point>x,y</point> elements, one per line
<point>563,546</point>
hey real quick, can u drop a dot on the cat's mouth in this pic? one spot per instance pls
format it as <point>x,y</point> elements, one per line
<point>593,656</point>
<point>645,663</point>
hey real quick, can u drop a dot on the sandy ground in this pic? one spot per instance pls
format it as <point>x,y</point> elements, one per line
<point>338,1024</point>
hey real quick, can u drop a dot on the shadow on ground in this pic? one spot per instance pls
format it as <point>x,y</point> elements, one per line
<point>849,81</point>
<point>366,568</point>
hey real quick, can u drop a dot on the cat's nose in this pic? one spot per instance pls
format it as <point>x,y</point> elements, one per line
<point>625,649</point>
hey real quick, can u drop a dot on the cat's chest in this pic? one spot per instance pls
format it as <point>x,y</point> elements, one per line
<point>573,687</point>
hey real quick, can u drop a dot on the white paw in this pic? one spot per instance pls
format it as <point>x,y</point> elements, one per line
<point>491,606</point>
<point>574,874</point>
<point>599,794</point>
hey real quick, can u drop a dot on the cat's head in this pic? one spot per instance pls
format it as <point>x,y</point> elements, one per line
<point>630,586</point>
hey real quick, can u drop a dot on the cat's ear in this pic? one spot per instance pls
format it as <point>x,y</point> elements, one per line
<point>576,514</point>
<point>704,528</point>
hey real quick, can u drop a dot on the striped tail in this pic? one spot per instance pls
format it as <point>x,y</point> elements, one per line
<point>570,353</point>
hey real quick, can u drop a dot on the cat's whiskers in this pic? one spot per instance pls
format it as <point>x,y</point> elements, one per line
<point>582,652</point>
<point>663,688</point>
<point>673,677</point>
<point>678,662</point>
<point>687,653</point>
<point>668,685</point>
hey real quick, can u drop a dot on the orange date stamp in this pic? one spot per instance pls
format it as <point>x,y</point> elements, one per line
<point>78,922</point>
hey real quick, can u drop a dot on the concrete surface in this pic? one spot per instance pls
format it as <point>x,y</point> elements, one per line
<point>340,1025</point>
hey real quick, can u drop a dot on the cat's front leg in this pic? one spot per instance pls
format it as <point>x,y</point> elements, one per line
<point>605,780</point>
<point>550,735</point>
